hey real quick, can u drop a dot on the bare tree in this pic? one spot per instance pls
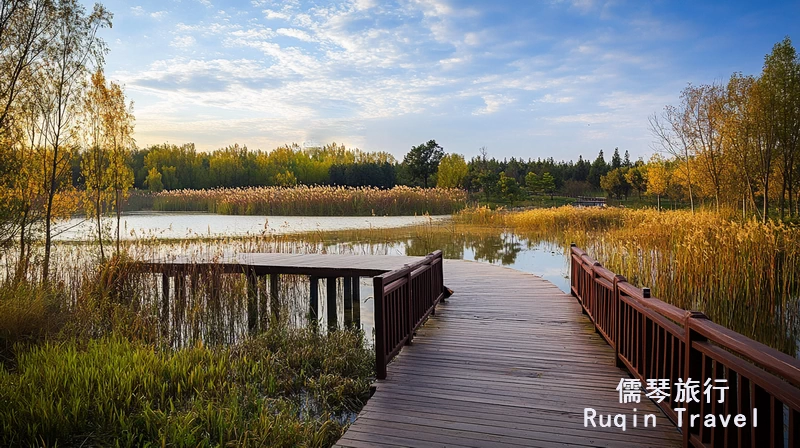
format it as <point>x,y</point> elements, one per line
<point>672,137</point>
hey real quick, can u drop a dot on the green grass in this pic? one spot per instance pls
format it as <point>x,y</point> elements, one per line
<point>282,388</point>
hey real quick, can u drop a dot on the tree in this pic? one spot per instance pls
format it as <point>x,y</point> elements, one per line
<point>533,184</point>
<point>658,178</point>
<point>636,176</point>
<point>153,181</point>
<point>671,136</point>
<point>614,183</point>
<point>452,171</point>
<point>548,184</point>
<point>616,161</point>
<point>598,169</point>
<point>73,48</point>
<point>781,76</point>
<point>118,125</point>
<point>423,160</point>
<point>508,188</point>
<point>25,29</point>
<point>95,163</point>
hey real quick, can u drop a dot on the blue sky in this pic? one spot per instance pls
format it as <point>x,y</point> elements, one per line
<point>527,79</point>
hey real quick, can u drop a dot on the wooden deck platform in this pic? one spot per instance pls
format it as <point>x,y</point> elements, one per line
<point>508,360</point>
<point>320,265</point>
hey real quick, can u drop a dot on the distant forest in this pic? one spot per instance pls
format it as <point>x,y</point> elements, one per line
<point>173,167</point>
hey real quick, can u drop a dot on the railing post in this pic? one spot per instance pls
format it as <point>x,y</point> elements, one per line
<point>693,368</point>
<point>380,328</point>
<point>616,309</point>
<point>646,348</point>
<point>592,293</point>
<point>409,308</point>
<point>573,281</point>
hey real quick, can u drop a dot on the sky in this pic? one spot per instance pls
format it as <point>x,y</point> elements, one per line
<point>526,79</point>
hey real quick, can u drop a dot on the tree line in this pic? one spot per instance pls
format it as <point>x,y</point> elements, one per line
<point>737,144</point>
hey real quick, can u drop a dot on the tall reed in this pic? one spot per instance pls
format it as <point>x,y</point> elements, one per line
<point>314,201</point>
<point>743,275</point>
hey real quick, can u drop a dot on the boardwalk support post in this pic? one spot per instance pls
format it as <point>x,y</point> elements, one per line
<point>356,290</point>
<point>274,298</point>
<point>165,304</point>
<point>313,305</point>
<point>330,283</point>
<point>252,297</point>
<point>348,301</point>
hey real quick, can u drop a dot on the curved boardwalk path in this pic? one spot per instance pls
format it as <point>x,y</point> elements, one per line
<point>508,360</point>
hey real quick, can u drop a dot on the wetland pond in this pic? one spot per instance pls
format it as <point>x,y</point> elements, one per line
<point>161,235</point>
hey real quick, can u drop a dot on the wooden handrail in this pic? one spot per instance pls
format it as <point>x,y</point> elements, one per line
<point>657,340</point>
<point>404,298</point>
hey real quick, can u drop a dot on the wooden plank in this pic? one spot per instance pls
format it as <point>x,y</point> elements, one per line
<point>509,360</point>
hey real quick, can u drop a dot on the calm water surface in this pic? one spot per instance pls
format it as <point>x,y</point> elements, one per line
<point>207,225</point>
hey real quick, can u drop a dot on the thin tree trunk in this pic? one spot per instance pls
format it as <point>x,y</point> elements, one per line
<point>48,217</point>
<point>22,263</point>
<point>98,215</point>
<point>119,215</point>
<point>766,201</point>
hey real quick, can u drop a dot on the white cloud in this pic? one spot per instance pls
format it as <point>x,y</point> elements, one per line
<point>493,104</point>
<point>158,15</point>
<point>137,10</point>
<point>554,99</point>
<point>183,42</point>
<point>295,33</point>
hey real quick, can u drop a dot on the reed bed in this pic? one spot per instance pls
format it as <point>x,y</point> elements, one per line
<point>314,201</point>
<point>743,275</point>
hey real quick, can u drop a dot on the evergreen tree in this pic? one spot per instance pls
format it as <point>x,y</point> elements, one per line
<point>616,160</point>
<point>598,169</point>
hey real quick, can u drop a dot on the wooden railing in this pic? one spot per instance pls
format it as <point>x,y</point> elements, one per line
<point>404,298</point>
<point>655,340</point>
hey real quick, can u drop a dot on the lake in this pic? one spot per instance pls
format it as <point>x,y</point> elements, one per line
<point>137,225</point>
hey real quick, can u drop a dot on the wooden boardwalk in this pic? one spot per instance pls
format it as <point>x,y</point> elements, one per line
<point>508,360</point>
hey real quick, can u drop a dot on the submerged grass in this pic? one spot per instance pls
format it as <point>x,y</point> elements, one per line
<point>743,275</point>
<point>282,388</point>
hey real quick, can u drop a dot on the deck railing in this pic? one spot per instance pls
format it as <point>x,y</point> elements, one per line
<point>656,340</point>
<point>404,298</point>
